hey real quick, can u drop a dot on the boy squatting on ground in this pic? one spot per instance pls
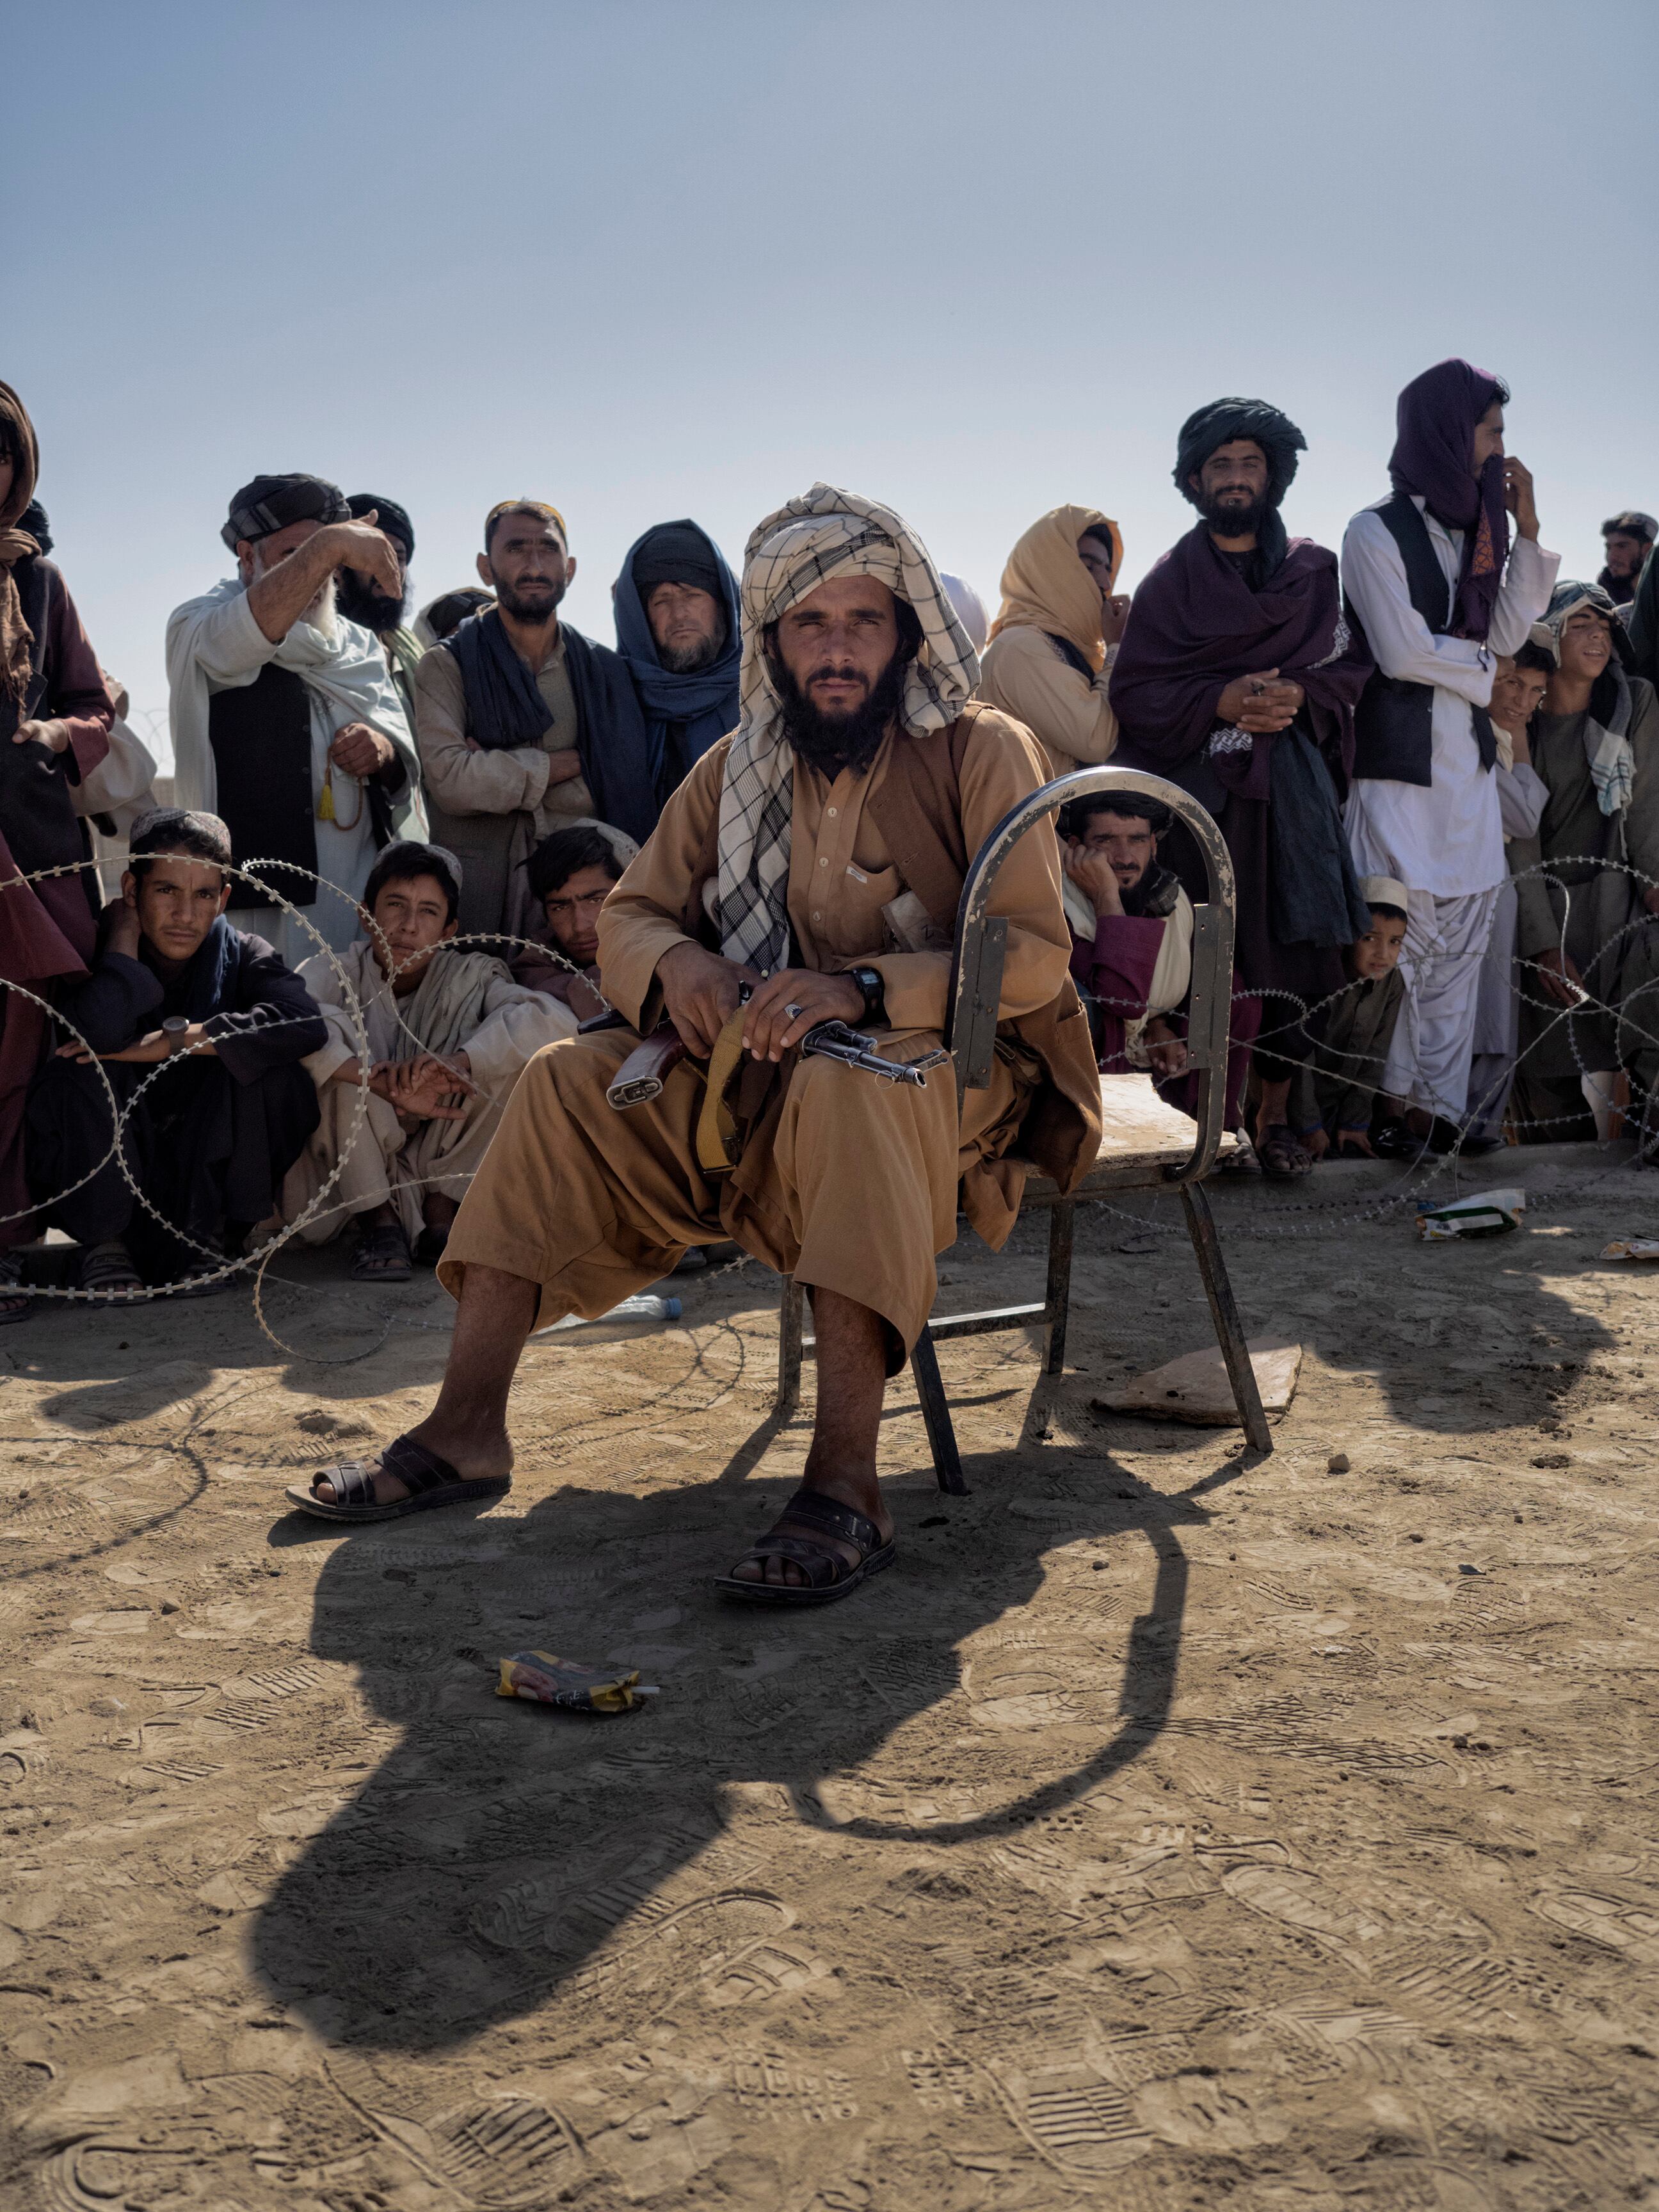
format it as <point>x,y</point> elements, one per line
<point>1335,1095</point>
<point>448,1033</point>
<point>206,1141</point>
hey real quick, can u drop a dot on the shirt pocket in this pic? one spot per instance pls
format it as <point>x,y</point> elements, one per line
<point>853,926</point>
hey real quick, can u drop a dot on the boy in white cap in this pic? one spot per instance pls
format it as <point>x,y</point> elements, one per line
<point>1335,1094</point>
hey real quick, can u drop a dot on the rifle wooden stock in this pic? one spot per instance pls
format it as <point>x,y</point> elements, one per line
<point>641,1075</point>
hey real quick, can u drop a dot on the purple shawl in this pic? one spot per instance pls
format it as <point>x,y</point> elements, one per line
<point>1194,624</point>
<point>1435,422</point>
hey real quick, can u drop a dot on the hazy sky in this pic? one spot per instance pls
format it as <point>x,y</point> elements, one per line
<point>655,257</point>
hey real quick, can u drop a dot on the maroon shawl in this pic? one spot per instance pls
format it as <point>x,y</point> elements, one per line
<point>1194,624</point>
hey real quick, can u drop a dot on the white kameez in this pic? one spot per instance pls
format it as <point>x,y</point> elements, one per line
<point>1444,839</point>
<point>214,644</point>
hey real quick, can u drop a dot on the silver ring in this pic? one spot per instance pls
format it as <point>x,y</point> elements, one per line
<point>794,1012</point>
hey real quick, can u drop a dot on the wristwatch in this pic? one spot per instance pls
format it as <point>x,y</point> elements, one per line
<point>871,981</point>
<point>175,1028</point>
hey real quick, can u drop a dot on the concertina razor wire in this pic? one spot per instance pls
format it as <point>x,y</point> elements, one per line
<point>221,1267</point>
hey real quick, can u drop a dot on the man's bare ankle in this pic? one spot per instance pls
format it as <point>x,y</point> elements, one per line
<point>857,1486</point>
<point>458,1440</point>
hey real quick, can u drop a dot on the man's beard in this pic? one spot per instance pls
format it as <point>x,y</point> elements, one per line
<point>830,743</point>
<point>1231,517</point>
<point>685,660</point>
<point>359,602</point>
<point>534,604</point>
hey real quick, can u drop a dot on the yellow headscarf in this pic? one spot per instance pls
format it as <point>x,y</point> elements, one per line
<point>1045,586</point>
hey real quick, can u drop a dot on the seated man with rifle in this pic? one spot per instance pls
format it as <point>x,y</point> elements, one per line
<point>804,875</point>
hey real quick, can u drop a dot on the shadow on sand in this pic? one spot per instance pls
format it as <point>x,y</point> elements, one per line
<point>500,1852</point>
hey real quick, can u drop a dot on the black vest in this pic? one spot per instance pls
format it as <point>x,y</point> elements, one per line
<point>260,733</point>
<point>1393,723</point>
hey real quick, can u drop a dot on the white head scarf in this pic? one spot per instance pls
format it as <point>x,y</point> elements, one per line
<point>822,534</point>
<point>1607,743</point>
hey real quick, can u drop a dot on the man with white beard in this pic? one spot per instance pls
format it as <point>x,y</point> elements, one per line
<point>286,723</point>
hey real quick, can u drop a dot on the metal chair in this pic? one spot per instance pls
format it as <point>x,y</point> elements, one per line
<point>1144,1144</point>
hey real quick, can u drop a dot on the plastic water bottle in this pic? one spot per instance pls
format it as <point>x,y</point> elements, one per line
<point>649,1305</point>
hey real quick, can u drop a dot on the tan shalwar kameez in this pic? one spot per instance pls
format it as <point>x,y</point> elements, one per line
<point>1047,595</point>
<point>1024,673</point>
<point>857,1192</point>
<point>492,805</point>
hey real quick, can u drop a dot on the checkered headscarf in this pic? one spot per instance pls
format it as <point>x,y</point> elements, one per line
<point>822,534</point>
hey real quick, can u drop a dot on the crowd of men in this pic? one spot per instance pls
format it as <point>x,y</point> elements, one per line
<point>395,838</point>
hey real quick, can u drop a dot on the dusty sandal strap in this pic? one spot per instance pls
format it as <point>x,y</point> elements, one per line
<point>825,1576</point>
<point>827,1513</point>
<point>428,1479</point>
<point>353,1481</point>
<point>418,1468</point>
<point>821,1566</point>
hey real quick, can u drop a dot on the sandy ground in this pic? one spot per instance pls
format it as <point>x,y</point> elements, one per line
<point>1169,1829</point>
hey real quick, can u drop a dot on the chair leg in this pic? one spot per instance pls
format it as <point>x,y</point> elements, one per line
<point>1223,1311</point>
<point>1062,1221</point>
<point>789,1348</point>
<point>935,1413</point>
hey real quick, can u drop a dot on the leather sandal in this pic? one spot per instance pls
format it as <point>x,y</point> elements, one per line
<point>431,1479</point>
<point>1284,1158</point>
<point>15,1302</point>
<point>382,1256</point>
<point>828,1576</point>
<point>107,1268</point>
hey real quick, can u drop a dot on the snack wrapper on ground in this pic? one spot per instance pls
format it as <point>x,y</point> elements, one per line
<point>1631,1247</point>
<point>1487,1214</point>
<point>568,1684</point>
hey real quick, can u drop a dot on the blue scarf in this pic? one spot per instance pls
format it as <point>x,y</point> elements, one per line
<point>704,700</point>
<point>205,985</point>
<point>505,710</point>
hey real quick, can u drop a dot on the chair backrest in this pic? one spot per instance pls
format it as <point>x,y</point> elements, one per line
<point>982,939</point>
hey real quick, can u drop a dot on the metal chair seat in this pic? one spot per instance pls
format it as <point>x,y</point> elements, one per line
<point>1144,1143</point>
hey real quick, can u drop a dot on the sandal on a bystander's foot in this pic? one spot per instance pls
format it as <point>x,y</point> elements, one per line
<point>15,1303</point>
<point>826,1575</point>
<point>1283,1159</point>
<point>107,1269</point>
<point>1241,1160</point>
<point>382,1256</point>
<point>430,1480</point>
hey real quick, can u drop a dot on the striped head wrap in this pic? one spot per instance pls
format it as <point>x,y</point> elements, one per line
<point>820,535</point>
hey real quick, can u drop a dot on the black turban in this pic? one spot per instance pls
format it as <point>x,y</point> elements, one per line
<point>270,503</point>
<point>1222,420</point>
<point>678,553</point>
<point>388,516</point>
